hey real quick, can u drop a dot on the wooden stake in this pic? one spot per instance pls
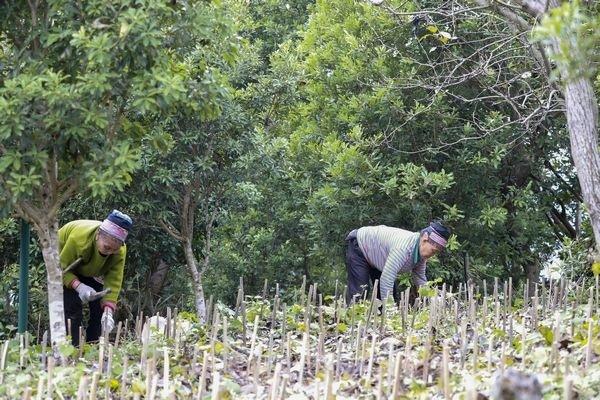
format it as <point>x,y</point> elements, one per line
<point>153,385</point>
<point>397,388</point>
<point>82,390</point>
<point>166,377</point>
<point>40,389</point>
<point>568,388</point>
<point>26,394</point>
<point>275,382</point>
<point>94,388</point>
<point>371,357</point>
<point>490,353</point>
<point>118,334</point>
<point>588,351</point>
<point>124,377</point>
<point>329,381</point>
<point>303,354</point>
<point>253,339</point>
<point>446,371</point>
<point>475,351</point>
<point>202,381</point>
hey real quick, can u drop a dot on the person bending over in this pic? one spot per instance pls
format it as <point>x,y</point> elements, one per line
<point>92,256</point>
<point>382,252</point>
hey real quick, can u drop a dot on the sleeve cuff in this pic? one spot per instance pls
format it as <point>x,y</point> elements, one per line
<point>74,283</point>
<point>109,304</point>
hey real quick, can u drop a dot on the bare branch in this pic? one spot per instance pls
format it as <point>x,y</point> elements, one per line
<point>171,230</point>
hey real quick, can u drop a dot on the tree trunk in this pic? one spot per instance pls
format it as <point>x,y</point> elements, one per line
<point>157,278</point>
<point>192,265</point>
<point>532,272</point>
<point>48,236</point>
<point>582,120</point>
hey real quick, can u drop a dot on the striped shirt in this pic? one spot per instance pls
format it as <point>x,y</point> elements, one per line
<point>392,250</point>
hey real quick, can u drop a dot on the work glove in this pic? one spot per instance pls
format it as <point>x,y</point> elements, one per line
<point>108,321</point>
<point>86,293</point>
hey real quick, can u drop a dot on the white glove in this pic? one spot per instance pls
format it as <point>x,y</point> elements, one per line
<point>108,322</point>
<point>85,292</point>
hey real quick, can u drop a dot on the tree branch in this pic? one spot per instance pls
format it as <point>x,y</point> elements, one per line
<point>171,230</point>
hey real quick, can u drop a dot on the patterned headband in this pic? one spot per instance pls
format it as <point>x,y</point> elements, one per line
<point>437,238</point>
<point>114,230</point>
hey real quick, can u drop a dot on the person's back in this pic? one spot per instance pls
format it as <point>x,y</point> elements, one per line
<point>377,242</point>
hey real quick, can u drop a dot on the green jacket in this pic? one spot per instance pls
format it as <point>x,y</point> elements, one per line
<point>78,239</point>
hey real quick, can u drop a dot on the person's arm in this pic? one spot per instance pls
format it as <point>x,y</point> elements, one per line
<point>418,274</point>
<point>113,279</point>
<point>394,262</point>
<point>67,255</point>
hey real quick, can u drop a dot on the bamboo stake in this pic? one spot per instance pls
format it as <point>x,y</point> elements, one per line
<point>94,388</point>
<point>210,309</point>
<point>265,289</point>
<point>253,339</point>
<point>445,371</point>
<point>26,394</point>
<point>475,351</point>
<point>244,333</point>
<point>288,350</point>
<point>40,388</point>
<point>282,392</point>
<point>225,344</point>
<point>490,352</point>
<point>44,346</point>
<point>202,381</point>
<point>124,377</point>
<point>427,357</point>
<point>305,350</point>
<point>257,366</point>
<point>320,346</point>
<point>49,379</point>
<point>590,304</point>
<point>328,381</point>
<point>363,351</point>
<point>371,358</point>
<point>597,293</point>
<point>407,355</point>
<point>396,389</point>
<point>3,360</point>
<point>153,386</point>
<point>270,352</point>
<point>379,394</point>
<point>167,328</point>
<point>149,374</point>
<point>503,357</point>
<point>338,360</point>
<point>303,290</point>
<point>118,334</point>
<point>588,351</point>
<point>568,388</point>
<point>275,382</point>
<point>82,388</point>
<point>523,347</point>
<point>166,377</point>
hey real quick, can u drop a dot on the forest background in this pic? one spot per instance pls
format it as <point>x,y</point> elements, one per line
<point>268,130</point>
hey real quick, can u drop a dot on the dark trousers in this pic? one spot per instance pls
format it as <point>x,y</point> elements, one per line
<point>360,273</point>
<point>74,312</point>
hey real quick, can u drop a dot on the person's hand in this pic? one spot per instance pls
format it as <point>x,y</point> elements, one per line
<point>108,321</point>
<point>85,292</point>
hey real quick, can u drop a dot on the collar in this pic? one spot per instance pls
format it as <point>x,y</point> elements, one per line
<point>416,252</point>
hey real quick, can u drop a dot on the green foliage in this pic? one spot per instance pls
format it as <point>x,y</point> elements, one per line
<point>572,35</point>
<point>72,83</point>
